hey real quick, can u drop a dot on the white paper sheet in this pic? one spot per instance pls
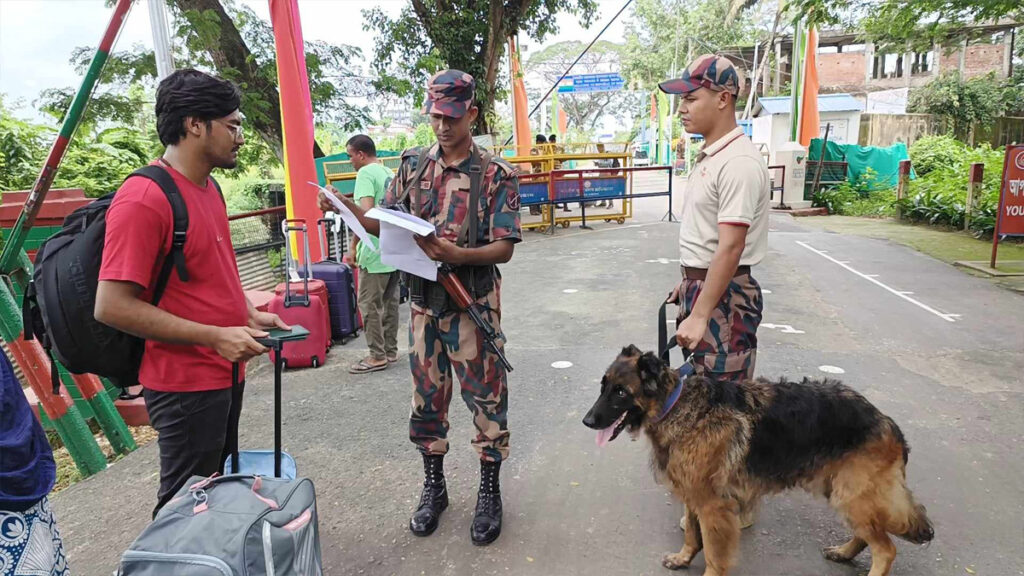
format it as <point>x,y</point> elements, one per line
<point>398,248</point>
<point>348,217</point>
<point>409,222</point>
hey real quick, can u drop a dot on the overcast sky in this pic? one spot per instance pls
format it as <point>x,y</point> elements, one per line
<point>37,36</point>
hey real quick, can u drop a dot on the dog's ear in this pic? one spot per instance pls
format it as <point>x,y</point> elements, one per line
<point>650,368</point>
<point>630,351</point>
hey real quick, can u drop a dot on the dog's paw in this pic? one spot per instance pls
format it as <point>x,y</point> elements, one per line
<point>675,561</point>
<point>834,554</point>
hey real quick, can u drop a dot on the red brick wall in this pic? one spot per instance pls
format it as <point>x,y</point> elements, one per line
<point>981,59</point>
<point>985,58</point>
<point>841,70</point>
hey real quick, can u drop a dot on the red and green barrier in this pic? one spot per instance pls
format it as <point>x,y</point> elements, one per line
<point>16,267</point>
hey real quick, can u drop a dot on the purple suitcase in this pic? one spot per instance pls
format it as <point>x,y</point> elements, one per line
<point>341,288</point>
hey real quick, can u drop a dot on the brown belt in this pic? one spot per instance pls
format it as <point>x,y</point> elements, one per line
<point>702,273</point>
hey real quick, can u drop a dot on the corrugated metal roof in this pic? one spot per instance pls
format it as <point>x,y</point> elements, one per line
<point>826,103</point>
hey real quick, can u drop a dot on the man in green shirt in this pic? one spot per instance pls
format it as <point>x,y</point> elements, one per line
<point>378,284</point>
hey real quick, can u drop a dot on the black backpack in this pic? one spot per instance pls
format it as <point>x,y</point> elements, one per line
<point>59,302</point>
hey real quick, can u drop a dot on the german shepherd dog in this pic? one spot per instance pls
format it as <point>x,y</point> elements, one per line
<point>720,446</point>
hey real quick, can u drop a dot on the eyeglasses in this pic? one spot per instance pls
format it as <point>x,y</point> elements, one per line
<point>236,129</point>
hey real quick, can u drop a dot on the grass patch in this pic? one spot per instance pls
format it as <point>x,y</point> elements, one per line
<point>67,472</point>
<point>942,243</point>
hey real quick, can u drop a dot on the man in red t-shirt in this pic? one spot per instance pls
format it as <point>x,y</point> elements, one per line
<point>202,326</point>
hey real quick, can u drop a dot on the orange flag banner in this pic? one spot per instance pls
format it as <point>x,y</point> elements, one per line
<point>810,122</point>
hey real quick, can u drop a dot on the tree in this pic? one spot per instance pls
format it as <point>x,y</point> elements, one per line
<point>585,109</point>
<point>964,103</point>
<point>96,163</point>
<point>238,45</point>
<point>666,33</point>
<point>22,150</point>
<point>899,23</point>
<point>469,35</point>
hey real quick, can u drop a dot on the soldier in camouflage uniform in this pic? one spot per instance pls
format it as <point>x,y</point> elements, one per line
<point>438,183</point>
<point>723,232</point>
<point>724,227</point>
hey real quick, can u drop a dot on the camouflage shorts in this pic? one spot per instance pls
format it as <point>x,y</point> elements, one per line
<point>438,345</point>
<point>729,348</point>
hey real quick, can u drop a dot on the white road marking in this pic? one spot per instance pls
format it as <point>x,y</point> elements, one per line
<point>766,291</point>
<point>831,369</point>
<point>570,291</point>
<point>871,278</point>
<point>561,364</point>
<point>658,261</point>
<point>783,328</point>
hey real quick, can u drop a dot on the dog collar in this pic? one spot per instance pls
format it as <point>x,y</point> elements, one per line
<point>685,371</point>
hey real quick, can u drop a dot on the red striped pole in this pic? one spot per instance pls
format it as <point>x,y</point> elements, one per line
<point>16,241</point>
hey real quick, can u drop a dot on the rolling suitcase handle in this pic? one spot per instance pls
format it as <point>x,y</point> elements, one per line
<point>321,226</point>
<point>235,415</point>
<point>299,227</point>
<point>235,407</point>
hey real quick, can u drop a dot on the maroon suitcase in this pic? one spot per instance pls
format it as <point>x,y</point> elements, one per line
<point>301,307</point>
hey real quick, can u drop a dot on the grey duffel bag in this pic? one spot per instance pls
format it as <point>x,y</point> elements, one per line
<point>234,525</point>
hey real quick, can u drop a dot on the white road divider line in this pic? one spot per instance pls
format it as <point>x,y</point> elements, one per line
<point>871,278</point>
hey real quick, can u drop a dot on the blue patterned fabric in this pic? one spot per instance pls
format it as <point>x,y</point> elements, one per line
<point>27,470</point>
<point>30,543</point>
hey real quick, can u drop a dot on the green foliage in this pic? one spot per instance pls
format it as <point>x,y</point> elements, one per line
<point>126,88</point>
<point>865,197</point>
<point>98,166</point>
<point>22,151</point>
<point>423,136</point>
<point>930,153</point>
<point>661,31</point>
<point>939,195</point>
<point>96,163</point>
<point>1013,91</point>
<point>463,34</point>
<point>332,76</point>
<point>965,103</point>
<point>248,193</point>
<point>275,258</point>
<point>895,24</point>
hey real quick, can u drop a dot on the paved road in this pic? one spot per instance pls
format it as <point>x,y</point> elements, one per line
<point>945,361</point>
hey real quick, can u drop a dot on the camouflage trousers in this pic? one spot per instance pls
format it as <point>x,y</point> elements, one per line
<point>452,342</point>
<point>728,350</point>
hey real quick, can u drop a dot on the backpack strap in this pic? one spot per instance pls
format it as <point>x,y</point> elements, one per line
<point>421,167</point>
<point>175,259</point>
<point>219,191</point>
<point>479,162</point>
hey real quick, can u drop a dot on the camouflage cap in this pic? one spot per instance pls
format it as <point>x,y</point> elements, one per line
<point>706,71</point>
<point>449,92</point>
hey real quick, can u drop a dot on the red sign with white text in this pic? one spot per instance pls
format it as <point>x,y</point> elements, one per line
<point>1010,221</point>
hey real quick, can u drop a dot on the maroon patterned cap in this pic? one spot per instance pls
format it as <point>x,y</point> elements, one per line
<point>707,71</point>
<point>449,92</point>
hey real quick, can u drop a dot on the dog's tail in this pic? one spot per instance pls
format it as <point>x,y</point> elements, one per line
<point>919,526</point>
<point>915,527</point>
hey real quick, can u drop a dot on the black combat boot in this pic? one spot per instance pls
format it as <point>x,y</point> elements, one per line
<point>486,525</point>
<point>434,498</point>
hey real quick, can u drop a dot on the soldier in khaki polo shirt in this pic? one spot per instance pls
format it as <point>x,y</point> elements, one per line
<point>724,228</point>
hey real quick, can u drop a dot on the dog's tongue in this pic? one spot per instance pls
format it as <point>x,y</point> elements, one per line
<point>605,436</point>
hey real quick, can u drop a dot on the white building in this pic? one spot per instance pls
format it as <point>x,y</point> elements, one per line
<point>772,124</point>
